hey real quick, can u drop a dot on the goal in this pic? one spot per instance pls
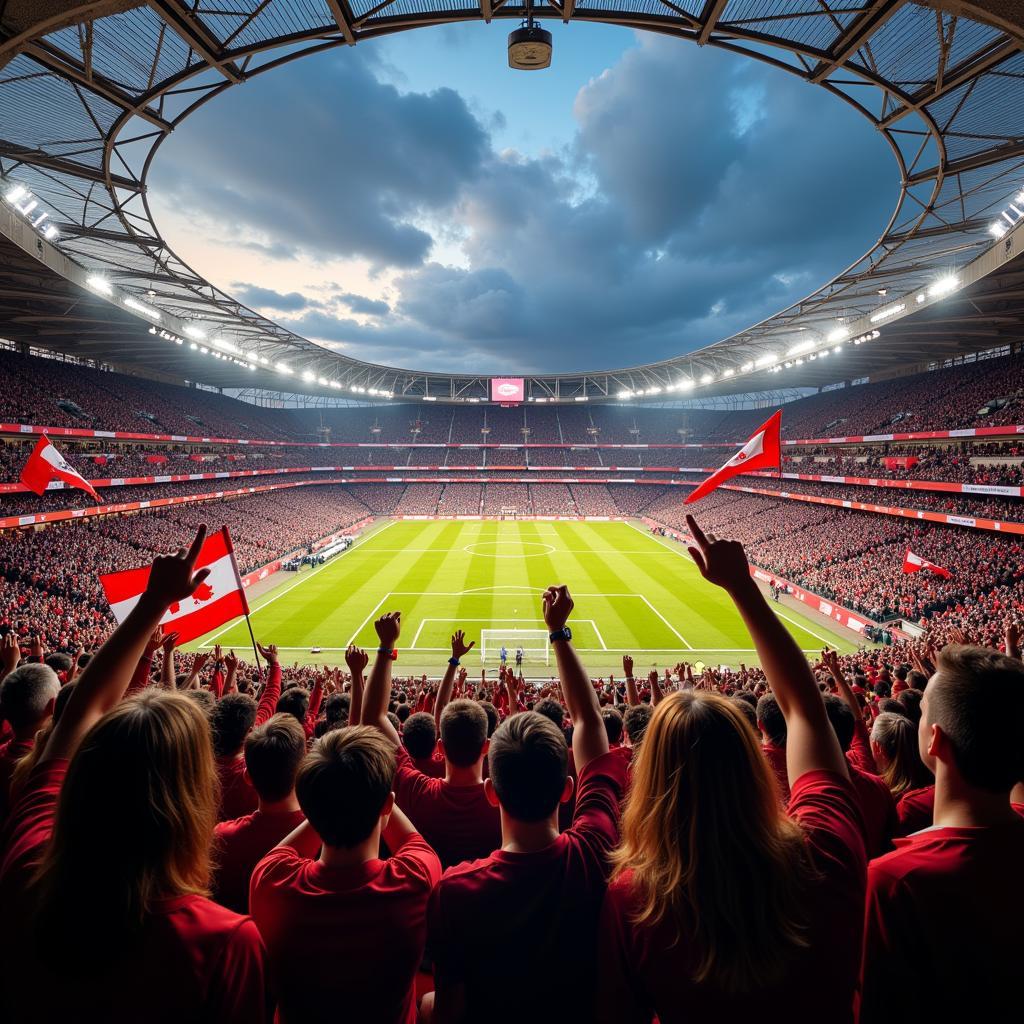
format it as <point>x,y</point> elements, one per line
<point>534,642</point>
<point>509,512</point>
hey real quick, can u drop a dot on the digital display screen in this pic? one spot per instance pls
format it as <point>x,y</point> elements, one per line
<point>507,389</point>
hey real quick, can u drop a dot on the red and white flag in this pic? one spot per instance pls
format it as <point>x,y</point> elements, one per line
<point>762,451</point>
<point>46,464</point>
<point>915,563</point>
<point>218,599</point>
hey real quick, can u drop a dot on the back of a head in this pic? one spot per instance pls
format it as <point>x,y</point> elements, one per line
<point>528,765</point>
<point>635,722</point>
<point>419,735</point>
<point>976,698</point>
<point>748,709</point>
<point>273,753</point>
<point>134,824</point>
<point>59,662</point>
<point>910,702</point>
<point>336,709</point>
<point>492,716</point>
<point>344,782</point>
<point>231,718</point>
<point>403,711</point>
<point>552,710</point>
<point>699,781</point>
<point>294,701</point>
<point>27,695</point>
<point>612,725</point>
<point>842,719</point>
<point>771,721</point>
<point>463,732</point>
<point>896,738</point>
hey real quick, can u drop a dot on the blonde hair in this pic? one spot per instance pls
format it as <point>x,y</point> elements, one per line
<point>896,736</point>
<point>709,847</point>
<point>134,823</point>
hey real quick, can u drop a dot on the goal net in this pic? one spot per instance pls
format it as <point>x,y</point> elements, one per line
<point>534,643</point>
<point>509,512</point>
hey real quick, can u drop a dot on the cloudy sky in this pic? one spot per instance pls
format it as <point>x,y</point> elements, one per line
<point>413,201</point>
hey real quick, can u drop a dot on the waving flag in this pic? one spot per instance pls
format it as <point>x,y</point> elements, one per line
<point>762,451</point>
<point>46,464</point>
<point>218,599</point>
<point>915,563</point>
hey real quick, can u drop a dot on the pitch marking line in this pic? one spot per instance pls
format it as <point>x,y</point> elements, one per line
<point>685,642</point>
<point>637,651</point>
<point>460,618</point>
<point>781,615</point>
<point>359,628</point>
<point>208,642</point>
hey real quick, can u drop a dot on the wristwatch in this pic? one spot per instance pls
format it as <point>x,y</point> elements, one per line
<point>565,633</point>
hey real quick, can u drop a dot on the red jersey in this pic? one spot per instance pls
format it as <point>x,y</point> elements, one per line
<point>237,797</point>
<point>192,960</point>
<point>915,810</point>
<point>433,767</point>
<point>877,809</point>
<point>457,821</point>
<point>776,757</point>
<point>644,971</point>
<point>943,927</point>
<point>239,845</point>
<point>345,941</point>
<point>534,914</point>
<point>10,754</point>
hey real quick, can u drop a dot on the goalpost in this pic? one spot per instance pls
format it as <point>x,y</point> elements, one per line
<point>534,642</point>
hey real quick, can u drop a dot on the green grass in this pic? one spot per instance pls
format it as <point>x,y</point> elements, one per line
<point>634,594</point>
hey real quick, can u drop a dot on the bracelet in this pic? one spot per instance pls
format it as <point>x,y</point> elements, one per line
<point>454,662</point>
<point>388,652</point>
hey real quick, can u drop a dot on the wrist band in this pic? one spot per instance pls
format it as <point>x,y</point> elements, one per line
<point>454,662</point>
<point>388,652</point>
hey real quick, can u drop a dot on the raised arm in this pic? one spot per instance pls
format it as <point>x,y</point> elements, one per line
<point>168,679</point>
<point>861,747</point>
<point>356,659</point>
<point>459,650</point>
<point>632,697</point>
<point>656,694</point>
<point>589,736</point>
<point>378,688</point>
<point>811,743</point>
<point>272,691</point>
<point>103,683</point>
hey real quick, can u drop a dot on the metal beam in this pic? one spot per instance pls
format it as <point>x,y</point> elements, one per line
<point>855,35</point>
<point>37,158</point>
<point>709,18</point>
<point>193,32</point>
<point>969,163</point>
<point>68,67</point>
<point>342,14</point>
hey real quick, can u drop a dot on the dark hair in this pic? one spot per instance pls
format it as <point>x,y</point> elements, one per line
<point>636,720</point>
<point>273,752</point>
<point>203,698</point>
<point>344,782</point>
<point>59,662</point>
<point>551,710</point>
<point>890,705</point>
<point>492,716</point>
<point>771,721</point>
<point>463,732</point>
<point>294,701</point>
<point>420,735</point>
<point>976,697</point>
<point>528,764</point>
<point>403,711</point>
<point>231,718</point>
<point>747,707</point>
<point>842,719</point>
<point>917,680</point>
<point>910,701</point>
<point>336,708</point>
<point>612,724</point>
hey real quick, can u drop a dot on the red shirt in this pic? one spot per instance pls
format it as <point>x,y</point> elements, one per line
<point>192,960</point>
<point>433,767</point>
<point>531,917</point>
<point>776,757</point>
<point>915,810</point>
<point>237,797</point>
<point>944,927</point>
<point>644,971</point>
<point>457,821</point>
<point>345,942</point>
<point>239,845</point>
<point>877,809</point>
<point>10,754</point>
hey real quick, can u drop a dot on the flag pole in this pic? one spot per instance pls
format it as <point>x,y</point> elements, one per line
<point>255,651</point>
<point>245,602</point>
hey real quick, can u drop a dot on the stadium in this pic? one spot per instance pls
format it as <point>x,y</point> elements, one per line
<point>672,395</point>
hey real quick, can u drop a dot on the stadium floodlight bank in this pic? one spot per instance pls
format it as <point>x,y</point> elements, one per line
<point>535,644</point>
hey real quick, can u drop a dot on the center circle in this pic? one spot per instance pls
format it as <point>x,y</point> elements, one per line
<point>548,548</point>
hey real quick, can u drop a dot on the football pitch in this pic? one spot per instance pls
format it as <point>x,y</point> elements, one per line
<point>634,594</point>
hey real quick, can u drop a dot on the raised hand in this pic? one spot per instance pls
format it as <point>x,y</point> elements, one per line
<point>459,646</point>
<point>218,652</point>
<point>10,654</point>
<point>199,662</point>
<point>356,659</point>
<point>172,577</point>
<point>388,627</point>
<point>1012,636</point>
<point>231,662</point>
<point>627,665</point>
<point>154,642</point>
<point>169,642</point>
<point>35,647</point>
<point>557,607</point>
<point>268,653</point>
<point>722,562</point>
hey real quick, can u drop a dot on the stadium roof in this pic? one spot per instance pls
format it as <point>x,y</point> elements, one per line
<point>85,105</point>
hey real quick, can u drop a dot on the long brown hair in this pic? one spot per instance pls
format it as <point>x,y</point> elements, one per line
<point>896,736</point>
<point>134,823</point>
<point>710,848</point>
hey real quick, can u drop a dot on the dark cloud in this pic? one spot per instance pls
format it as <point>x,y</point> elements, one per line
<point>364,305</point>
<point>701,193</point>
<point>254,295</point>
<point>326,159</point>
